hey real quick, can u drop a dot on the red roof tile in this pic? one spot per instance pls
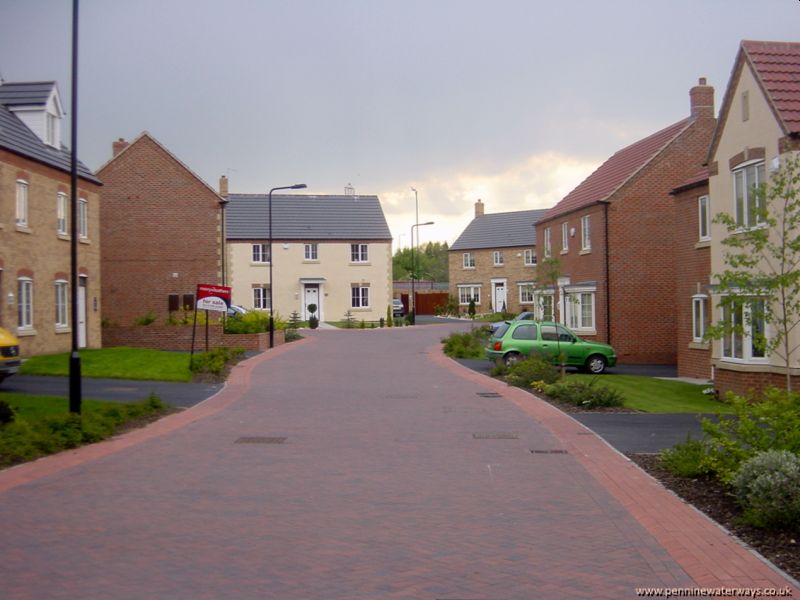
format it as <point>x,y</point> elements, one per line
<point>617,170</point>
<point>777,65</point>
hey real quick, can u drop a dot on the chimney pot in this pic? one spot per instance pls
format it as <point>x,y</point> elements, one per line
<point>223,186</point>
<point>478,208</point>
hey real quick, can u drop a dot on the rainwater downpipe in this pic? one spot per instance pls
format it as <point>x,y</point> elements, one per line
<point>608,276</point>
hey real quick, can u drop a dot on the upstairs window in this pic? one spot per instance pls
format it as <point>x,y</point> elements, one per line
<point>586,233</point>
<point>83,218</point>
<point>22,203</point>
<point>310,252</point>
<point>564,238</point>
<point>62,214</point>
<point>703,218</point>
<point>359,253</point>
<point>529,258</point>
<point>547,245</point>
<point>468,259</point>
<point>748,203</point>
<point>498,258</point>
<point>260,253</point>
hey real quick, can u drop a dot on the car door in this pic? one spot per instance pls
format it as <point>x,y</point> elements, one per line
<point>557,339</point>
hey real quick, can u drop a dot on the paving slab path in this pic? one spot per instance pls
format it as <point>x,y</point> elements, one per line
<point>357,465</point>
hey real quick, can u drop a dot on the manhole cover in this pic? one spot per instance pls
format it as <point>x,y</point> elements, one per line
<point>552,451</point>
<point>496,435</point>
<point>489,395</point>
<point>260,440</point>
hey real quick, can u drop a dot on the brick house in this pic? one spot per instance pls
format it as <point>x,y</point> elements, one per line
<point>35,228</point>
<point>331,251</point>
<point>162,232</point>
<point>494,261</point>
<point>759,123</point>
<point>693,254</point>
<point>614,235</point>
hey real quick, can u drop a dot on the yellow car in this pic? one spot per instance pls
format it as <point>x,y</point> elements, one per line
<point>9,354</point>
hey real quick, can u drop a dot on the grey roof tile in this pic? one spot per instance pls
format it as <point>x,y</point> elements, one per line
<point>28,93</point>
<point>306,217</point>
<point>500,230</point>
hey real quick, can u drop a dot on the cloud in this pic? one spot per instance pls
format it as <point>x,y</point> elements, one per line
<point>448,198</point>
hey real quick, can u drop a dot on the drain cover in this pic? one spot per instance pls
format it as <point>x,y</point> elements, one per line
<point>496,435</point>
<point>489,395</point>
<point>549,452</point>
<point>260,440</point>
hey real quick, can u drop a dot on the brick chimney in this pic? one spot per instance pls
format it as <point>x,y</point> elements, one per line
<point>701,100</point>
<point>223,186</point>
<point>119,146</point>
<point>478,209</point>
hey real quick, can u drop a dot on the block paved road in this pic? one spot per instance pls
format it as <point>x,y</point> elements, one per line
<point>373,467</point>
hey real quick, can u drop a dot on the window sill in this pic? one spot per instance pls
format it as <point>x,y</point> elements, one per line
<point>360,309</point>
<point>740,364</point>
<point>563,252</point>
<point>468,268</point>
<point>529,266</point>
<point>699,345</point>
<point>360,264</point>
<point>590,331</point>
<point>498,265</point>
<point>24,229</point>
<point>25,332</point>
<point>63,330</point>
<point>259,264</point>
<point>703,244</point>
<point>86,241</point>
<point>586,251</point>
<point>63,236</point>
<point>311,262</point>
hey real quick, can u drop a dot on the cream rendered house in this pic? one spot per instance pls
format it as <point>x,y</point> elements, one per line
<point>759,123</point>
<point>331,251</point>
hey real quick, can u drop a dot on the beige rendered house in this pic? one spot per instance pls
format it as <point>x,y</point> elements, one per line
<point>331,251</point>
<point>759,123</point>
<point>35,225</point>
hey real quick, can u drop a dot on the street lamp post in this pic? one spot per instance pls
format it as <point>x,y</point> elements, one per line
<point>413,300</point>
<point>297,186</point>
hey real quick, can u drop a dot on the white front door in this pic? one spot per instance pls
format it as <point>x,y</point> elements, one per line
<point>499,300</point>
<point>82,313</point>
<point>311,296</point>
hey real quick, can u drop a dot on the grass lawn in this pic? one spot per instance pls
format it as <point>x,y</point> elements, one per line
<point>115,363</point>
<point>43,425</point>
<point>660,395</point>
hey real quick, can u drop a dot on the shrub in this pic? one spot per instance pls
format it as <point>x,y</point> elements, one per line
<point>313,322</point>
<point>449,309</point>
<point>146,319</point>
<point>215,360</point>
<point>586,394</point>
<point>471,309</point>
<point>767,487</point>
<point>389,316</point>
<point>688,459</point>
<point>466,345</point>
<point>292,335</point>
<point>6,413</point>
<point>533,368</point>
<point>294,321</point>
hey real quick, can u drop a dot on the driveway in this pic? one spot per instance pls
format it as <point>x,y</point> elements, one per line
<point>356,465</point>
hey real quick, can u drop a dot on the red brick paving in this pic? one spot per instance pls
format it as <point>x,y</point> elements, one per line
<point>381,490</point>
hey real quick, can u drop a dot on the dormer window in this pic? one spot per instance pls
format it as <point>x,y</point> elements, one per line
<point>51,129</point>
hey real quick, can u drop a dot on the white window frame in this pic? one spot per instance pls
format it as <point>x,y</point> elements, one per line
<point>699,321</point>
<point>529,257</point>
<point>83,218</point>
<point>261,298</point>
<point>586,233</point>
<point>746,352</point>
<point>62,214</point>
<point>51,129</point>
<point>548,248</point>
<point>564,237</point>
<point>22,203</point>
<point>527,292</point>
<point>359,253</point>
<point>703,218</point>
<point>545,298</point>
<point>467,292</point>
<point>260,254</point>
<point>577,317</point>
<point>311,252</point>
<point>24,304</point>
<point>498,258</point>
<point>468,260</point>
<point>359,296</point>
<point>745,199</point>
<point>62,304</point>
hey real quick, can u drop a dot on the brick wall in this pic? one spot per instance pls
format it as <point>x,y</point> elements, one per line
<point>691,278</point>
<point>513,270</point>
<point>178,338</point>
<point>161,232</point>
<point>742,382</point>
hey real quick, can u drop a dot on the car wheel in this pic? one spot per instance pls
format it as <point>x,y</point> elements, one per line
<point>596,364</point>
<point>512,358</point>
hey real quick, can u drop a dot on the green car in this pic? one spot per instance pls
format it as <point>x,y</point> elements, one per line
<point>515,340</point>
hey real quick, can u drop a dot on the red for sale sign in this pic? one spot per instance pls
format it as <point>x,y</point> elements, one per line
<point>213,297</point>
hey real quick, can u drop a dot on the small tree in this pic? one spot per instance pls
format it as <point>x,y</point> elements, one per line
<point>763,267</point>
<point>313,321</point>
<point>389,316</point>
<point>548,273</point>
<point>471,309</point>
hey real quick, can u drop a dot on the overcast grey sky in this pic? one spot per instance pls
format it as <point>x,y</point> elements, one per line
<point>514,102</point>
